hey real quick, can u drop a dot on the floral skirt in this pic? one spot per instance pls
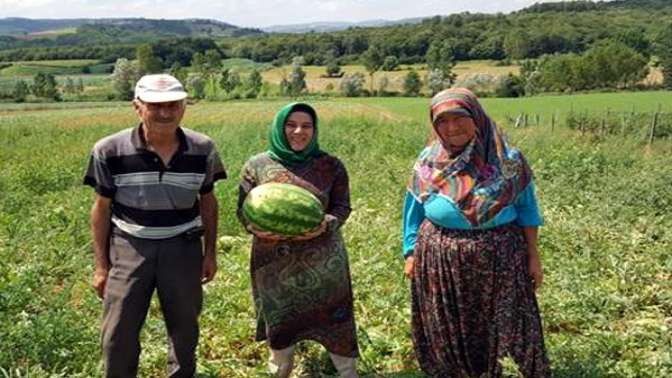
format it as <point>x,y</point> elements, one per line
<point>473,303</point>
<point>302,291</point>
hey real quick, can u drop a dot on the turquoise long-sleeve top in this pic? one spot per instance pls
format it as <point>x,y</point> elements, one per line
<point>443,212</point>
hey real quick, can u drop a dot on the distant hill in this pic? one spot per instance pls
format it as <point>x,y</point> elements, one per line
<point>16,26</point>
<point>23,32</point>
<point>585,5</point>
<point>322,27</point>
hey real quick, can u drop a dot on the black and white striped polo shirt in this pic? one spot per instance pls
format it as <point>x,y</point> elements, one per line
<point>151,200</point>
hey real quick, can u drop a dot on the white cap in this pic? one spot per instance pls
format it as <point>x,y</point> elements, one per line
<point>159,88</point>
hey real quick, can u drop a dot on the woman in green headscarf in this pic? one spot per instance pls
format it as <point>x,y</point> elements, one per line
<point>301,286</point>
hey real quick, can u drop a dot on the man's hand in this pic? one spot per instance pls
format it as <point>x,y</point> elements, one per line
<point>100,281</point>
<point>408,268</point>
<point>209,268</point>
<point>101,212</point>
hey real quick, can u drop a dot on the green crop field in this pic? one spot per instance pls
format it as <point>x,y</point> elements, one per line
<point>60,63</point>
<point>244,65</point>
<point>55,67</point>
<point>606,302</point>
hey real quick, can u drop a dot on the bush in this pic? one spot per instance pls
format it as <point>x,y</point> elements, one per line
<point>20,91</point>
<point>391,63</point>
<point>352,84</point>
<point>196,86</point>
<point>297,79</point>
<point>229,80</point>
<point>44,85</point>
<point>383,83</point>
<point>510,86</point>
<point>412,83</point>
<point>124,77</point>
<point>437,81</point>
<point>253,84</point>
<point>607,65</point>
<point>333,69</point>
<point>481,84</point>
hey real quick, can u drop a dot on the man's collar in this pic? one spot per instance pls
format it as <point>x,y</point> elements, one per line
<point>138,139</point>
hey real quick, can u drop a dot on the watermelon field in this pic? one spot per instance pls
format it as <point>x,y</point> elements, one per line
<point>606,245</point>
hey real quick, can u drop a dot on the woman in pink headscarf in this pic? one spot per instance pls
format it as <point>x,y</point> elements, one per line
<point>470,243</point>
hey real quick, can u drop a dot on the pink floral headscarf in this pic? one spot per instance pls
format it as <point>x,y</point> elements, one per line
<point>484,178</point>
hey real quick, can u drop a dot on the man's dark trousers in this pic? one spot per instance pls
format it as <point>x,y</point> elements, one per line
<point>138,266</point>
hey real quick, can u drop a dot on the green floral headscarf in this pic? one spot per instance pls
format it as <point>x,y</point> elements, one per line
<point>280,150</point>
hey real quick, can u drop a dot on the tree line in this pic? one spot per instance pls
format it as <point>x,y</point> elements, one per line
<point>547,28</point>
<point>44,87</point>
<point>520,35</point>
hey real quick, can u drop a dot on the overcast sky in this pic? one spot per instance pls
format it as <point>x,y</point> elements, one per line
<point>255,13</point>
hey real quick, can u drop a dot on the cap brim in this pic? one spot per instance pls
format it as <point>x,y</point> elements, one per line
<point>162,97</point>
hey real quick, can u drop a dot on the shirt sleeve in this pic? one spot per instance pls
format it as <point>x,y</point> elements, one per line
<point>339,199</point>
<point>413,215</point>
<point>527,209</point>
<point>214,171</point>
<point>98,176</point>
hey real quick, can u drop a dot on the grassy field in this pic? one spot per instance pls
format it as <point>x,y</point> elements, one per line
<point>59,63</point>
<point>606,303</point>
<point>55,67</point>
<point>244,65</point>
<point>100,77</point>
<point>98,80</point>
<point>505,110</point>
<point>316,83</point>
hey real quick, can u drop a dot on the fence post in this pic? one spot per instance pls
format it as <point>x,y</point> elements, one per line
<point>518,120</point>
<point>653,124</point>
<point>536,118</point>
<point>552,121</point>
<point>632,117</point>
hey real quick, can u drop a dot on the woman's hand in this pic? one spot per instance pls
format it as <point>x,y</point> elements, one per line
<point>533,261</point>
<point>264,234</point>
<point>535,270</point>
<point>408,268</point>
<point>312,234</point>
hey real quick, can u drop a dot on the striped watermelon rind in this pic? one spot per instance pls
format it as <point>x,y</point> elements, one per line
<point>282,209</point>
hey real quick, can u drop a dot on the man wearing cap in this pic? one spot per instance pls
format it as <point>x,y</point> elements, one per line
<point>154,201</point>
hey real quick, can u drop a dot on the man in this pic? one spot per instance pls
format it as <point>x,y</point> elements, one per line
<point>154,201</point>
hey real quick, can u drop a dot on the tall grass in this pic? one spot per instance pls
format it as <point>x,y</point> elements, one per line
<point>606,303</point>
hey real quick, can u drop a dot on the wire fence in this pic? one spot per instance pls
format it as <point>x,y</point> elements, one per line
<point>644,126</point>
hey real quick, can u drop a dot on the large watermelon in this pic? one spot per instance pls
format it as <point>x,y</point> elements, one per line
<point>282,209</point>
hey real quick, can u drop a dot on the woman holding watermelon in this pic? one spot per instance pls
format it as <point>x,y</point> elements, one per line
<point>300,283</point>
<point>470,243</point>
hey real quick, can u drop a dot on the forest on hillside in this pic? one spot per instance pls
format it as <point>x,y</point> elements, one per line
<point>544,28</point>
